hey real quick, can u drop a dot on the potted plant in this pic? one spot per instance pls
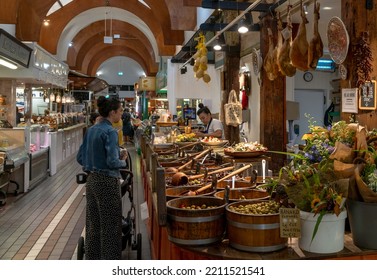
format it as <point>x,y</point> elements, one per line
<point>362,201</point>
<point>317,182</point>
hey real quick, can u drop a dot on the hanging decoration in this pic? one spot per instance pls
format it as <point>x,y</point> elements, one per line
<point>201,60</point>
<point>363,58</point>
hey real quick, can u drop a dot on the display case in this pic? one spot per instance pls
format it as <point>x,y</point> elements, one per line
<point>38,152</point>
<point>13,157</point>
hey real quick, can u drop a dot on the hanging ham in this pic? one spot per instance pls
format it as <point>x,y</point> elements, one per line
<point>315,51</point>
<point>284,59</point>
<point>270,62</point>
<point>300,45</point>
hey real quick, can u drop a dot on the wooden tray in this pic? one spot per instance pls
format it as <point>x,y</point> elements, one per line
<point>220,143</point>
<point>185,143</point>
<point>244,154</point>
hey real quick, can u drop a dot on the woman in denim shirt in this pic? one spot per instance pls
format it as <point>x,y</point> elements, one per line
<point>99,155</point>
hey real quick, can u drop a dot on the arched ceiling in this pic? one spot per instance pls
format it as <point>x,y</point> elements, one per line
<point>146,33</point>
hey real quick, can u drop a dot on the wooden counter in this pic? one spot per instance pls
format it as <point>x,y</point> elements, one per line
<point>163,249</point>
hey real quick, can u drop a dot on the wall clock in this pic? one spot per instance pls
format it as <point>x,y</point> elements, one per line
<point>308,76</point>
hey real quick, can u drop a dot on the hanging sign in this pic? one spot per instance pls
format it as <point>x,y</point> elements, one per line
<point>367,96</point>
<point>349,100</point>
<point>13,49</point>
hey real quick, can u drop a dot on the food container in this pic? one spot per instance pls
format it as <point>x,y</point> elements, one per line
<point>182,191</point>
<point>243,195</point>
<point>252,232</point>
<point>195,226</point>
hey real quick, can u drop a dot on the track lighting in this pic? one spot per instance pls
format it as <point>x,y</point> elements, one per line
<point>217,46</point>
<point>243,26</point>
<point>219,42</point>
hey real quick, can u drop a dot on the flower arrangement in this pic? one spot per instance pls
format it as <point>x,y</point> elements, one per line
<point>320,142</point>
<point>315,180</point>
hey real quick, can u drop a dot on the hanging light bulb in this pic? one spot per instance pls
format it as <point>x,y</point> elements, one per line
<point>242,26</point>
<point>58,98</point>
<point>52,97</point>
<point>217,45</point>
<point>63,99</point>
<point>219,42</point>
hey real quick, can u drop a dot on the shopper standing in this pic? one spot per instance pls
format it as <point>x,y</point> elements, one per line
<point>99,155</point>
<point>128,130</point>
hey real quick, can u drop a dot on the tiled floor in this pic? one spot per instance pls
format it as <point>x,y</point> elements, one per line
<point>46,222</point>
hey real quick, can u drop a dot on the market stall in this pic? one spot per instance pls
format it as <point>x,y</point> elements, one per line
<point>209,226</point>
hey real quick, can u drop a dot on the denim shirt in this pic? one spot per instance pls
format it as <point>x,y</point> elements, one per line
<point>99,151</point>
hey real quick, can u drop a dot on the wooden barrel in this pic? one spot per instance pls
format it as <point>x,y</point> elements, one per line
<point>238,184</point>
<point>181,191</point>
<point>253,233</point>
<point>243,195</point>
<point>195,226</point>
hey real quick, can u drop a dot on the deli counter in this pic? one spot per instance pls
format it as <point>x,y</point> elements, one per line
<point>13,163</point>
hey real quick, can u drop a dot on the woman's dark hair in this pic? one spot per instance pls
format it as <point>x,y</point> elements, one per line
<point>93,117</point>
<point>106,105</point>
<point>203,109</point>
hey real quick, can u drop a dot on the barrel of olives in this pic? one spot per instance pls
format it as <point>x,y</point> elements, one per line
<point>243,194</point>
<point>175,192</point>
<point>254,226</point>
<point>238,184</point>
<point>195,220</point>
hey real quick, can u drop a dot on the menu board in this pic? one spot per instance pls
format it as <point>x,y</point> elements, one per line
<point>367,96</point>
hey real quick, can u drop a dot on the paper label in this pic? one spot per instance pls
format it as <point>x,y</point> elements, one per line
<point>287,33</point>
<point>290,222</point>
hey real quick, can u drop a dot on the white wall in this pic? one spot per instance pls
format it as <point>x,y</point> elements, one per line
<point>187,86</point>
<point>109,69</point>
<point>321,81</point>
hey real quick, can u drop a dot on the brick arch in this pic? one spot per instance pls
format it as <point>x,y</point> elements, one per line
<point>84,40</point>
<point>109,52</point>
<point>163,33</point>
<point>93,46</point>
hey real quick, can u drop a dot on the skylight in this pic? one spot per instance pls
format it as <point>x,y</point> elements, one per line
<point>57,5</point>
<point>145,4</point>
<point>60,4</point>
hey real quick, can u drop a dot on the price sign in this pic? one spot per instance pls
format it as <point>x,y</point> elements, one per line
<point>367,96</point>
<point>290,222</point>
<point>349,100</point>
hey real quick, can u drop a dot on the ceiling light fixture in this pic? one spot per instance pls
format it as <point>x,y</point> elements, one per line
<point>46,22</point>
<point>219,42</point>
<point>217,46</point>
<point>242,26</point>
<point>8,64</point>
<point>108,39</point>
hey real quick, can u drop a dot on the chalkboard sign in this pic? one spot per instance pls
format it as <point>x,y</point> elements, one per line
<point>367,96</point>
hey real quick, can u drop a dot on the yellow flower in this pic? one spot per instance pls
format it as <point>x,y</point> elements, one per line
<point>338,200</point>
<point>314,203</point>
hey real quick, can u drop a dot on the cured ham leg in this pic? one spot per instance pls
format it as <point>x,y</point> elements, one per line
<point>300,45</point>
<point>270,62</point>
<point>284,59</point>
<point>315,51</point>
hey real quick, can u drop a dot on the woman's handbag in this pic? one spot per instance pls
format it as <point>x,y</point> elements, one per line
<point>233,110</point>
